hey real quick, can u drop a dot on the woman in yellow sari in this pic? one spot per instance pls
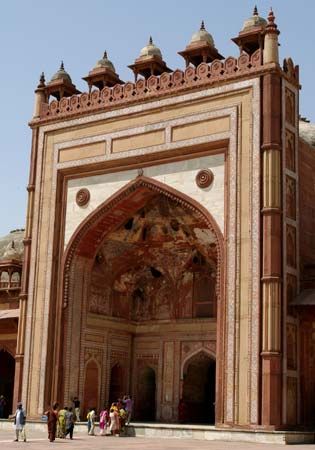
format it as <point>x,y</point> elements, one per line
<point>62,423</point>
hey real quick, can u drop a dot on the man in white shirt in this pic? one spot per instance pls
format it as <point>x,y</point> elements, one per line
<point>19,422</point>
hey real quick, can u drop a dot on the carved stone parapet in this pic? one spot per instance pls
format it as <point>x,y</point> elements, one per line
<point>271,329</point>
<point>155,86</point>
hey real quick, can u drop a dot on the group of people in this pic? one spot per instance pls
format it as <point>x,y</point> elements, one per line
<point>61,421</point>
<point>112,421</point>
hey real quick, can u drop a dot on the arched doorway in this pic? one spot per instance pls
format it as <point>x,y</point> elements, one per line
<point>199,389</point>
<point>116,383</point>
<point>7,371</point>
<point>146,398</point>
<point>149,256</point>
<point>91,386</point>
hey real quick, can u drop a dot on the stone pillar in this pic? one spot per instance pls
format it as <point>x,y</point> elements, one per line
<point>18,385</point>
<point>271,52</point>
<point>271,250</point>
<point>40,97</point>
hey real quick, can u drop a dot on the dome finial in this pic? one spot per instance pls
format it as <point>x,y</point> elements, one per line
<point>42,80</point>
<point>105,55</point>
<point>271,17</point>
<point>150,40</point>
<point>62,67</point>
<point>255,12</point>
<point>202,26</point>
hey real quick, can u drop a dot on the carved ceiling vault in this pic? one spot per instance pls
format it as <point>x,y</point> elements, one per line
<point>161,263</point>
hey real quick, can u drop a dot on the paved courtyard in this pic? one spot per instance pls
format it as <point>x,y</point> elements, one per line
<point>38,441</point>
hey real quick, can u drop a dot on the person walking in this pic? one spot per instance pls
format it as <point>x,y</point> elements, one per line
<point>19,422</point>
<point>70,419</point>
<point>91,421</point>
<point>52,417</point>
<point>62,423</point>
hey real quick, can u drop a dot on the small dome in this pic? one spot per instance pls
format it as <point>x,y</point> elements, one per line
<point>61,74</point>
<point>254,21</point>
<point>11,252</point>
<point>150,50</point>
<point>202,35</point>
<point>12,244</point>
<point>105,63</point>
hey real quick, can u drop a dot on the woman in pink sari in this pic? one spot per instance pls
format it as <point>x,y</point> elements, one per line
<point>103,421</point>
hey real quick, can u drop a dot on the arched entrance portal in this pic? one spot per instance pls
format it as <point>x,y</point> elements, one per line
<point>199,389</point>
<point>7,370</point>
<point>145,269</point>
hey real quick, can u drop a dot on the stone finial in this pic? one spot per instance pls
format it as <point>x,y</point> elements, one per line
<point>202,26</point>
<point>40,96</point>
<point>105,55</point>
<point>62,67</point>
<point>271,52</point>
<point>271,16</point>
<point>271,25</point>
<point>41,80</point>
<point>255,12</point>
<point>150,41</point>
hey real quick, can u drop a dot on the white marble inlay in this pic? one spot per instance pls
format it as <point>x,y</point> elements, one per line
<point>179,175</point>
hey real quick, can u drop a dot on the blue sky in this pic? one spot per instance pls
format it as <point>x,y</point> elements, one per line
<point>35,35</point>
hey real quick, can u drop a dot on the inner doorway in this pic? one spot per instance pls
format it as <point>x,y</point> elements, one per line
<point>199,390</point>
<point>146,399</point>
<point>116,384</point>
<point>7,371</point>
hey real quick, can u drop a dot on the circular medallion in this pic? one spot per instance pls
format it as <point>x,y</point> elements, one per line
<point>204,178</point>
<point>82,197</point>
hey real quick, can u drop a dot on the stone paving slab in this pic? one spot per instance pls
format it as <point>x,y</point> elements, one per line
<point>39,441</point>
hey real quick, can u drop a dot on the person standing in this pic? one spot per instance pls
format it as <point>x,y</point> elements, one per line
<point>52,417</point>
<point>76,405</point>
<point>70,419</point>
<point>128,408</point>
<point>114,421</point>
<point>19,422</point>
<point>103,421</point>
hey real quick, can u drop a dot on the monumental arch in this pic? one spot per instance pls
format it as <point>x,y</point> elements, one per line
<point>162,249</point>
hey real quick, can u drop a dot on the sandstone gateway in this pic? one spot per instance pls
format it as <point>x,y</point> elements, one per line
<point>162,251</point>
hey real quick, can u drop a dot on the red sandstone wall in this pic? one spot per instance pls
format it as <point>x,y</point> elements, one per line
<point>307,214</point>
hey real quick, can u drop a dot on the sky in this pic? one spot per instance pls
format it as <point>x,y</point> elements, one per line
<point>35,35</point>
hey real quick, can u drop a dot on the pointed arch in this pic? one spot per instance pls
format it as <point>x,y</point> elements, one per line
<point>117,208</point>
<point>190,357</point>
